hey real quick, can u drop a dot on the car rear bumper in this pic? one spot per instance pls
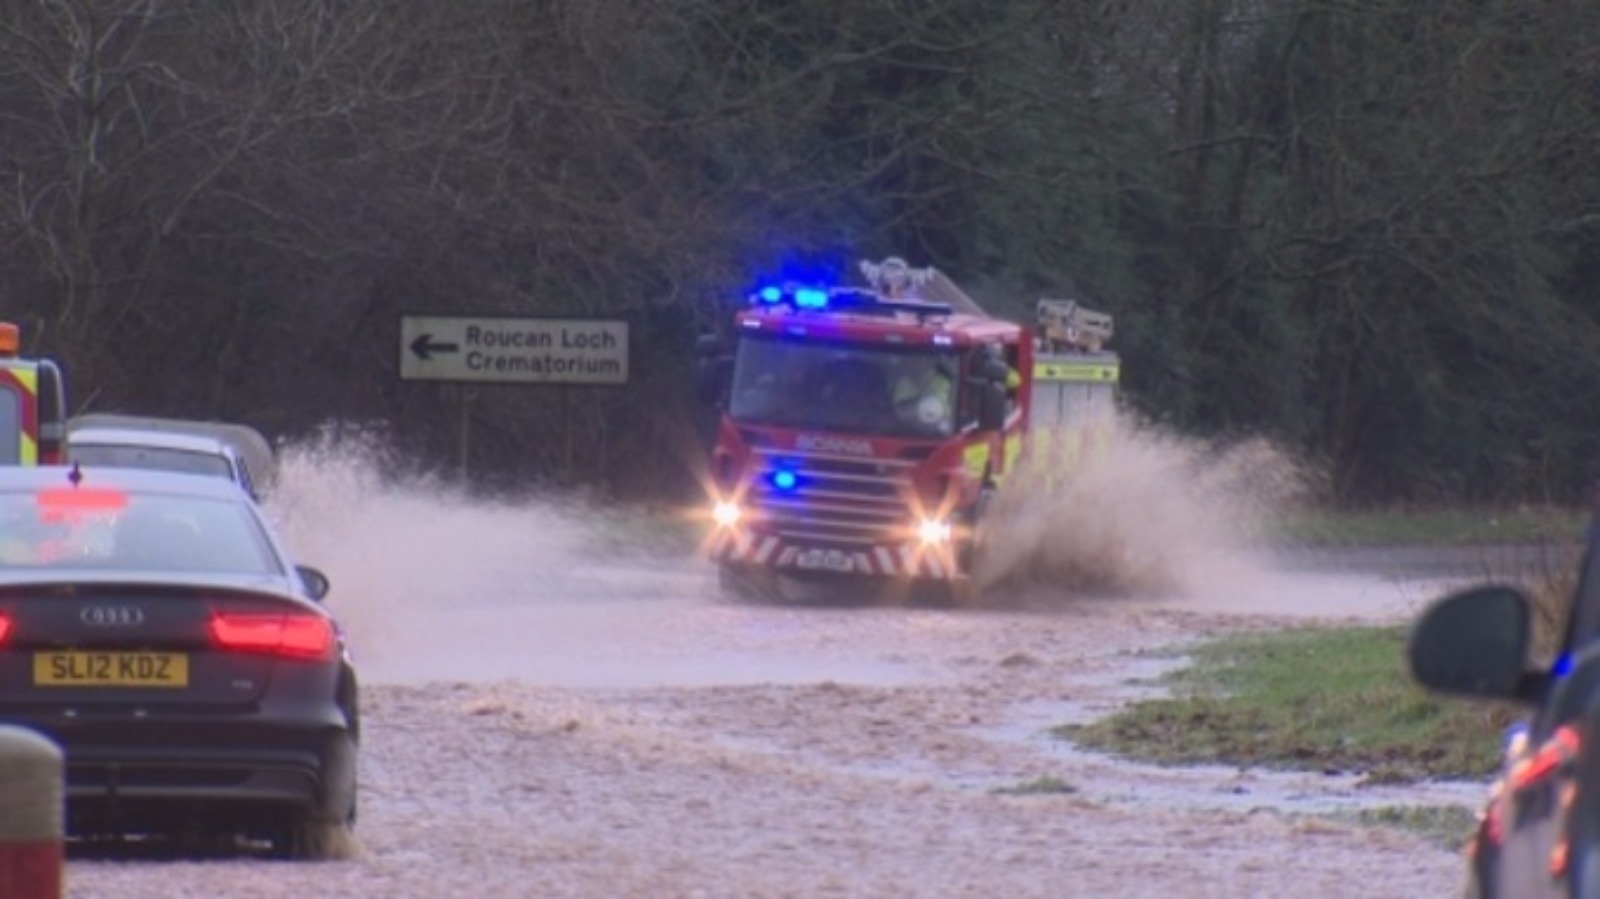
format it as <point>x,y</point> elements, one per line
<point>132,773</point>
<point>195,773</point>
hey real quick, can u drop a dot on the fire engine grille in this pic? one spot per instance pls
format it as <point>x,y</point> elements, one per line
<point>832,500</point>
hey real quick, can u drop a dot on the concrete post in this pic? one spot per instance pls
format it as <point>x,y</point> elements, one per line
<point>31,811</point>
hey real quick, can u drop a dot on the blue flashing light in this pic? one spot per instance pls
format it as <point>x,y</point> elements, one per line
<point>785,480</point>
<point>1563,665</point>
<point>811,298</point>
<point>771,294</point>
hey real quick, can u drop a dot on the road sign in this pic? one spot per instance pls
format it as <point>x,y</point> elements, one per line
<point>520,350</point>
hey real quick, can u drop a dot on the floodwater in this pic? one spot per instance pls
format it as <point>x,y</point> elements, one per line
<point>554,708</point>
<point>434,585</point>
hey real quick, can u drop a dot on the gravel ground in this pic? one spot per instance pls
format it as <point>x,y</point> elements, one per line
<point>708,749</point>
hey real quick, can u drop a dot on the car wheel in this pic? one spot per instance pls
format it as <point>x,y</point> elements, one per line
<point>310,839</point>
<point>321,833</point>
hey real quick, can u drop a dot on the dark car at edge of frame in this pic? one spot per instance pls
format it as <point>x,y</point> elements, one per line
<point>156,629</point>
<point>1538,834</point>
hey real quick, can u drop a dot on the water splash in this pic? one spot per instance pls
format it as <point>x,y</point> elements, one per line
<point>399,544</point>
<point>1149,512</point>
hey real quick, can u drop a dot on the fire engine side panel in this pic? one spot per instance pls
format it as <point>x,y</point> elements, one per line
<point>1074,411</point>
<point>19,418</point>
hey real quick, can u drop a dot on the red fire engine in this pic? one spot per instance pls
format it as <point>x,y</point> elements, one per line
<point>32,405</point>
<point>865,430</point>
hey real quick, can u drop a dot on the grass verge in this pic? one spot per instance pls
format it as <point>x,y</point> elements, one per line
<point>1039,786</point>
<point>1337,700</point>
<point>1445,826</point>
<point>1412,526</point>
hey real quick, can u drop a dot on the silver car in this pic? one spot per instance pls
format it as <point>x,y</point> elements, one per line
<point>232,451</point>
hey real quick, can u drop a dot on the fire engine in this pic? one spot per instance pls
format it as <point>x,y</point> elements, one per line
<point>32,405</point>
<point>865,430</point>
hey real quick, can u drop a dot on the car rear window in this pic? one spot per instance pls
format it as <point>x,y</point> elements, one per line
<point>153,457</point>
<point>68,528</point>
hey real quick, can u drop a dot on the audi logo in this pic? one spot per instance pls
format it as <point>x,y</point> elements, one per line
<point>112,616</point>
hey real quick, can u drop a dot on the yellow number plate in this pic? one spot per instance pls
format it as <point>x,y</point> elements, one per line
<point>110,669</point>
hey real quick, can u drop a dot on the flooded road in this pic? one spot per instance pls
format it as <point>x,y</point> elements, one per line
<point>549,715</point>
<point>650,742</point>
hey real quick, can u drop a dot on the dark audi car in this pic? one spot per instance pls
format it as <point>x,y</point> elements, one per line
<point>1539,834</point>
<point>156,629</point>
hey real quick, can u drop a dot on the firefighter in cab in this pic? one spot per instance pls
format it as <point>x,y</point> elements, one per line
<point>924,393</point>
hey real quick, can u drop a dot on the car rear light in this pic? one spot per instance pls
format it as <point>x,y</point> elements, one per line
<point>1552,756</point>
<point>5,628</point>
<point>290,636</point>
<point>1561,853</point>
<point>1553,759</point>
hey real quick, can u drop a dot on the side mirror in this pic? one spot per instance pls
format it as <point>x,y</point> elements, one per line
<point>1473,643</point>
<point>991,406</point>
<point>316,583</point>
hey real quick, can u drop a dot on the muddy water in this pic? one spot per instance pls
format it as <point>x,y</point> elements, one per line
<point>546,715</point>
<point>437,587</point>
<point>434,586</point>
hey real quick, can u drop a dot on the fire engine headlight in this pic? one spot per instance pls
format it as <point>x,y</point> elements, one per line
<point>934,531</point>
<point>726,514</point>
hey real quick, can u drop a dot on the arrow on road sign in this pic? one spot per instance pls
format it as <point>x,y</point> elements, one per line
<point>424,347</point>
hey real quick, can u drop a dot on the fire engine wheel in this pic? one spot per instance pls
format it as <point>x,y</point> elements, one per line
<point>748,583</point>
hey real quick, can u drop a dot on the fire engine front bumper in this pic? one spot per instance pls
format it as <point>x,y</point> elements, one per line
<point>905,560</point>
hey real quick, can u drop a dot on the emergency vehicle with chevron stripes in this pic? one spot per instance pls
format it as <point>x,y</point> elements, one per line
<point>864,431</point>
<point>32,405</point>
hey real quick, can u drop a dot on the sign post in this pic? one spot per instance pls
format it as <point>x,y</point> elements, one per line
<point>514,350</point>
<point>489,349</point>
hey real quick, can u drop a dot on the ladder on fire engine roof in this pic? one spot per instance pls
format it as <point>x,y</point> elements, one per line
<point>940,289</point>
<point>926,284</point>
<point>1066,325</point>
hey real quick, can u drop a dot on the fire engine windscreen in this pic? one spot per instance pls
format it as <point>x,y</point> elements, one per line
<point>908,393</point>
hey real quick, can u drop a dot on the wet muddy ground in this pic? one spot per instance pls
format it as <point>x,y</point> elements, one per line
<point>603,729</point>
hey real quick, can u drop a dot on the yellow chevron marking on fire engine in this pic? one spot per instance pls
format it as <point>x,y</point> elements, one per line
<point>976,458</point>
<point>29,379</point>
<point>1074,371</point>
